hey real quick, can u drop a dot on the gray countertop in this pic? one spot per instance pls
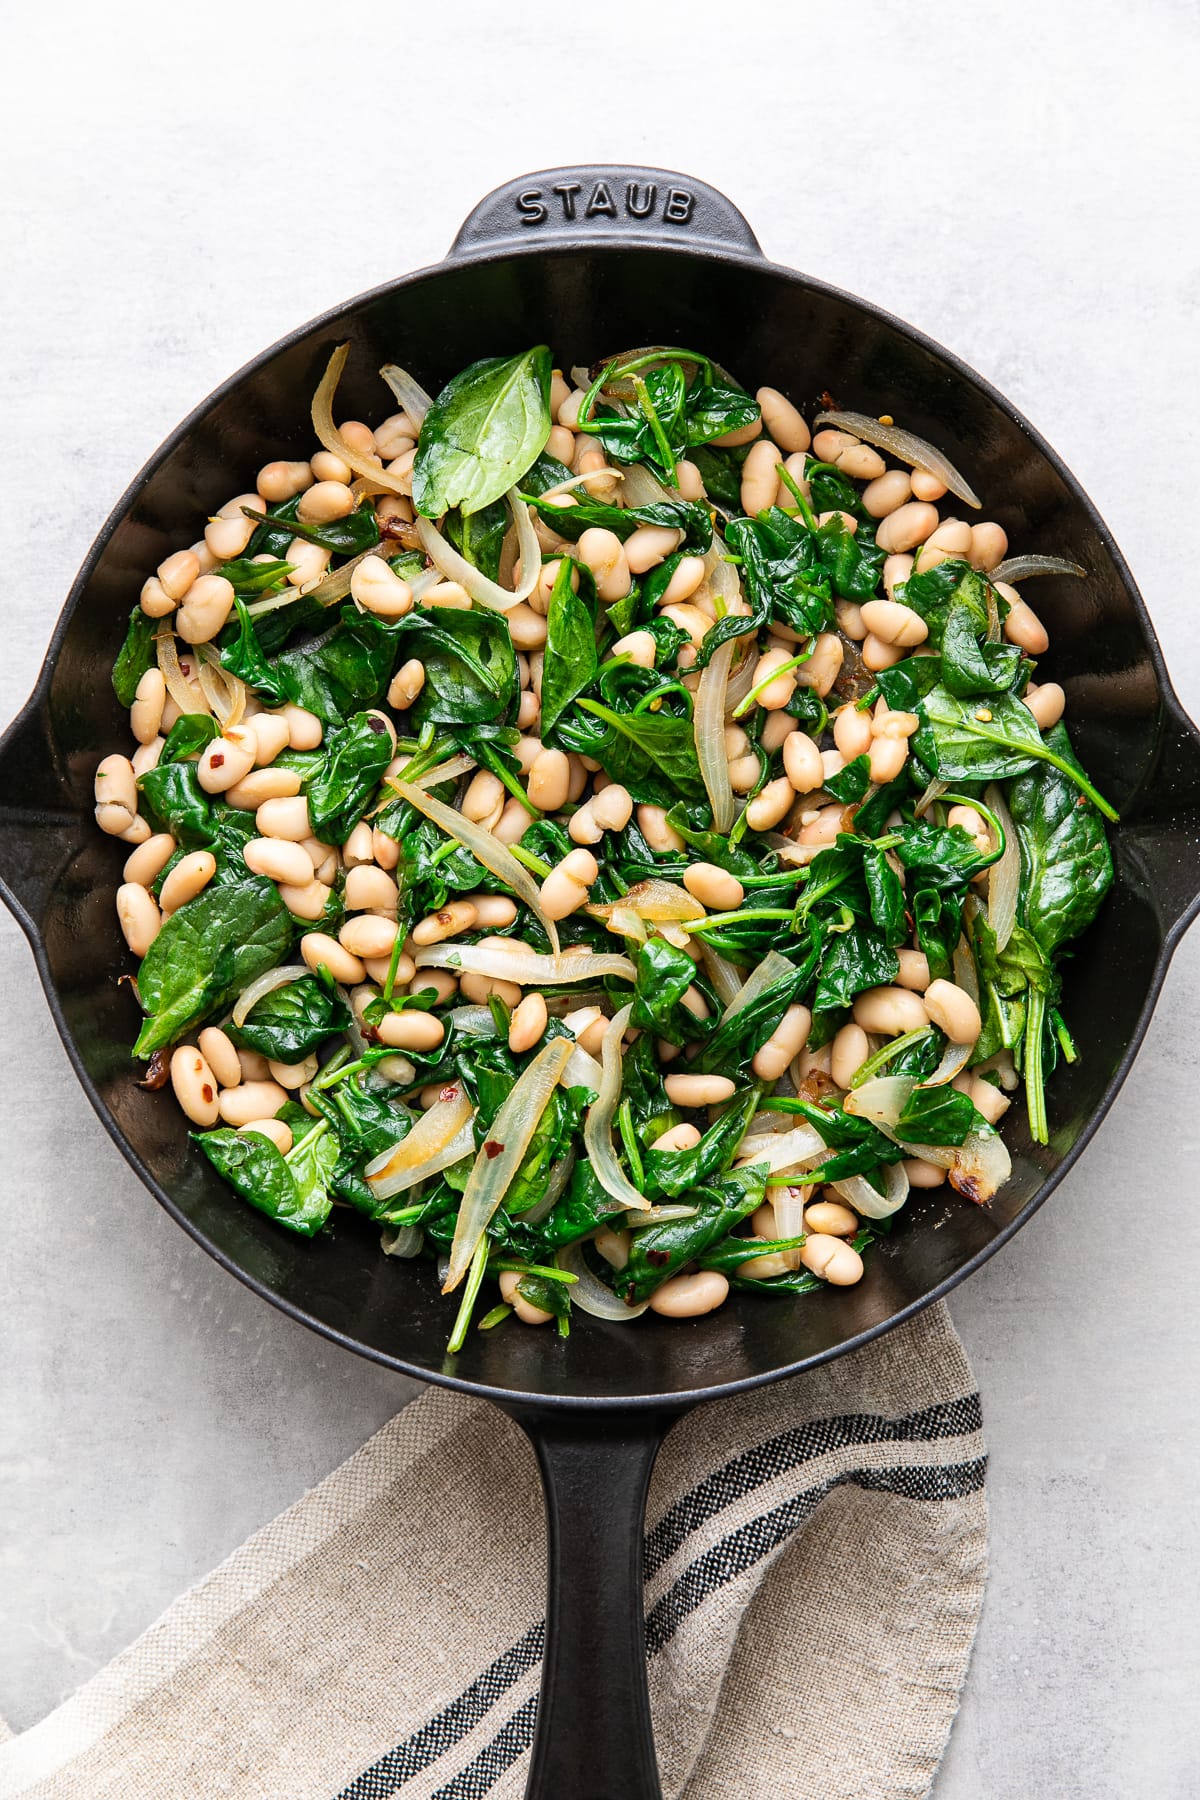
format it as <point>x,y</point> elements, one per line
<point>1014,180</point>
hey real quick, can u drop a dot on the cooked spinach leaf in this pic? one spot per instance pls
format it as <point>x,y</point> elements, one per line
<point>482,433</point>
<point>206,953</point>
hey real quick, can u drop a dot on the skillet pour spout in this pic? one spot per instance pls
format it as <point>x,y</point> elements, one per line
<point>591,260</point>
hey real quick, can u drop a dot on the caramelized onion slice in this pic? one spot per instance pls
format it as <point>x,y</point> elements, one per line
<point>904,446</point>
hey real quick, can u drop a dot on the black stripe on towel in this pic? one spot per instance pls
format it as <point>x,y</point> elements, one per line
<point>452,1724</point>
<point>789,1450</point>
<point>733,1555</point>
<point>721,1563</point>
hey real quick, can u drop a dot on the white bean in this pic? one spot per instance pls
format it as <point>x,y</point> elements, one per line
<point>190,874</point>
<point>760,477</point>
<point>688,1296</point>
<point>204,609</point>
<point>252,1101</point>
<point>907,527</point>
<point>714,887</point>
<point>849,1052</point>
<point>802,763</point>
<point>890,1011</point>
<point>887,492</point>
<point>698,1090</point>
<point>661,837</point>
<point>138,916</point>
<point>953,1011</point>
<point>770,805</point>
<point>195,1086</point>
<point>528,1024</point>
<point>786,1041</point>
<point>782,421</point>
<point>145,864</point>
<point>894,623</point>
<point>319,950</point>
<point>832,1259</point>
<point>221,1055</point>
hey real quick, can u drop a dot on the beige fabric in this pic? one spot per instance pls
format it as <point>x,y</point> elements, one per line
<point>815,1566</point>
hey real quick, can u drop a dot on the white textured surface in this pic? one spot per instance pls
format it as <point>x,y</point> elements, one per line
<point>1015,179</point>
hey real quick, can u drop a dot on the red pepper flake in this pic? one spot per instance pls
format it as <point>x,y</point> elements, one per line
<point>207,1094</point>
<point>658,1257</point>
<point>214,762</point>
<point>492,1148</point>
<point>448,1093</point>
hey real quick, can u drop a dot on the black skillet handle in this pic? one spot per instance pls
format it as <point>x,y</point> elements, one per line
<point>608,202</point>
<point>37,833</point>
<point>594,1739</point>
<point>1163,838</point>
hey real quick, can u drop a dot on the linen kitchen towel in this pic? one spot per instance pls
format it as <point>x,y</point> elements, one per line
<point>815,1563</point>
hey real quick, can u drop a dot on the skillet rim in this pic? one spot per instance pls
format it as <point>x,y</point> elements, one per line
<point>512,1399</point>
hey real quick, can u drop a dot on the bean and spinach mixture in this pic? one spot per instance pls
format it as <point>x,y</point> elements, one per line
<point>607,832</point>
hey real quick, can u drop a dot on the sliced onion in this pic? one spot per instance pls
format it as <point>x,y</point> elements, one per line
<point>725,978</point>
<point>597,1126</point>
<point>708,727</point>
<point>661,1215</point>
<point>1004,877</point>
<point>440,1137</point>
<point>882,1100</point>
<point>800,1148</point>
<point>978,1167</point>
<point>336,586</point>
<point>857,1192</point>
<point>576,481</point>
<point>582,1070</point>
<point>904,447</point>
<point>446,559</point>
<point>500,1157</point>
<point>589,1293</point>
<point>643,488</point>
<point>955,1057</point>
<point>788,1206</point>
<point>1023,568</point>
<point>529,970</point>
<point>486,849</point>
<point>557,1179</point>
<point>406,1241</point>
<point>447,771</point>
<point>408,391</point>
<point>250,996</point>
<point>771,969</point>
<point>933,792</point>
<point>474,1021</point>
<point>655,900</point>
<point>188,699</point>
<point>624,922</point>
<point>225,693</point>
<point>331,437</point>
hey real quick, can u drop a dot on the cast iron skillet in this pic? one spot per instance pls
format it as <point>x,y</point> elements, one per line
<point>592,260</point>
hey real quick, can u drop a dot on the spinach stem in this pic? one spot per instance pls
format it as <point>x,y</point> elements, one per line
<point>785,475</point>
<point>496,1317</point>
<point>462,1324</point>
<point>335,1069</point>
<point>884,1056</point>
<point>393,965</point>
<point>1035,1092</point>
<point>528,860</point>
<point>310,1137</point>
<point>511,1265</point>
<point>650,413</point>
<point>1066,1041</point>
<point>749,916</point>
<point>487,756</point>
<point>629,1139</point>
<point>743,706</point>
